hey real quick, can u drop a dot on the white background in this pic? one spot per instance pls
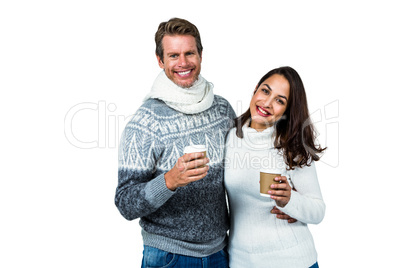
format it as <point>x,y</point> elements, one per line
<point>82,68</point>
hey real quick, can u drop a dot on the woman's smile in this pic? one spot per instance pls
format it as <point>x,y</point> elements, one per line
<point>262,112</point>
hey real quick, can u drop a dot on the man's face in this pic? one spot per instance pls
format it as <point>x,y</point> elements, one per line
<point>181,60</point>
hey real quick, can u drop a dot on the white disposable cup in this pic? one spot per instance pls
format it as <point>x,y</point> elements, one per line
<point>195,149</point>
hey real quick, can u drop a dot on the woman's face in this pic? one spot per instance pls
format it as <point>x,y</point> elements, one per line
<point>269,102</point>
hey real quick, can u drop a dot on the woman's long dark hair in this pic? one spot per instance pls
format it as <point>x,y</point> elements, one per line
<point>294,132</point>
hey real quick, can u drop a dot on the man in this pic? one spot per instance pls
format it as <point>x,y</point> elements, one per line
<point>179,199</point>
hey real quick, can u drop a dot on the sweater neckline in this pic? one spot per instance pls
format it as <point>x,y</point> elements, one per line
<point>258,139</point>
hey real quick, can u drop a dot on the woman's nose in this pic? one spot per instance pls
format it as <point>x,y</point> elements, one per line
<point>268,102</point>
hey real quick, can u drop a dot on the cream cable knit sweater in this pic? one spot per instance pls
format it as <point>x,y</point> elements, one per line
<point>257,238</point>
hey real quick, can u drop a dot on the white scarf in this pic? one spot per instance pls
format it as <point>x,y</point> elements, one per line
<point>192,100</point>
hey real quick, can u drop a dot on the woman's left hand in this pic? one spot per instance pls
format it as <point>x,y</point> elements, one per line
<point>282,191</point>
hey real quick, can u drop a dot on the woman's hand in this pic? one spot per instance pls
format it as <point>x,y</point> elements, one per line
<point>282,191</point>
<point>282,216</point>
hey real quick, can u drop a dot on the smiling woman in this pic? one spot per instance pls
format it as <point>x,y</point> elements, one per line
<point>276,127</point>
<point>280,101</point>
<point>269,102</point>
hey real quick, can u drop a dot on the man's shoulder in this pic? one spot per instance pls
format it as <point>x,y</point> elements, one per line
<point>152,113</point>
<point>145,114</point>
<point>152,106</point>
<point>224,106</point>
<point>220,99</point>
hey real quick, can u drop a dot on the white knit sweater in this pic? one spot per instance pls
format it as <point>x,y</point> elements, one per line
<point>257,238</point>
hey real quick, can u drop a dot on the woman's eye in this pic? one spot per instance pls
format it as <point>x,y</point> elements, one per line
<point>265,90</point>
<point>280,101</point>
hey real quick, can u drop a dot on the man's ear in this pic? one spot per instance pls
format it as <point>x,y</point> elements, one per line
<point>160,62</point>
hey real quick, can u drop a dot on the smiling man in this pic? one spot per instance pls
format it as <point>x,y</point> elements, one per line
<point>180,201</point>
<point>180,59</point>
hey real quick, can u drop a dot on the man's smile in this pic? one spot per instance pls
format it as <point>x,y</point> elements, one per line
<point>184,73</point>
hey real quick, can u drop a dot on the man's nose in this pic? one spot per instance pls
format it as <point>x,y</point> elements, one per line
<point>183,61</point>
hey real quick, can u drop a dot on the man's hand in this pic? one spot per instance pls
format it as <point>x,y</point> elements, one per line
<point>283,216</point>
<point>188,168</point>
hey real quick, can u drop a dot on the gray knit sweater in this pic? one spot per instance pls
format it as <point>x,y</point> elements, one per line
<point>192,220</point>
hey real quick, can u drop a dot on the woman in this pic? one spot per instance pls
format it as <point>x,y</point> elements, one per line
<point>274,133</point>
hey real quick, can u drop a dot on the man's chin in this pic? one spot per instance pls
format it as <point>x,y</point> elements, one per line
<point>185,84</point>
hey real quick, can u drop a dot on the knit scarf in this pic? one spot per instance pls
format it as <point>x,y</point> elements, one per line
<point>192,100</point>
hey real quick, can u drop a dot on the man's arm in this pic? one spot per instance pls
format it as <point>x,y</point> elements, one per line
<point>139,191</point>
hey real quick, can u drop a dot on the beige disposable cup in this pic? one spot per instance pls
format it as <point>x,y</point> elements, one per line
<point>266,180</point>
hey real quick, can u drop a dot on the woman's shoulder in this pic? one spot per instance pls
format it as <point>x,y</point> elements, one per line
<point>231,138</point>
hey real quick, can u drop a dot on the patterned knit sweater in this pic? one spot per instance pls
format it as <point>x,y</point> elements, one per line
<point>192,220</point>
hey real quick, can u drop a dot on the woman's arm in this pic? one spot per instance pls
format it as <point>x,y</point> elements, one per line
<point>305,203</point>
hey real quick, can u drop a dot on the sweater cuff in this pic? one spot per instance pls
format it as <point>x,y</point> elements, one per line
<point>156,191</point>
<point>291,207</point>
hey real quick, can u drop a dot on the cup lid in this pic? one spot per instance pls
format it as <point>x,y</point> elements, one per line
<point>194,149</point>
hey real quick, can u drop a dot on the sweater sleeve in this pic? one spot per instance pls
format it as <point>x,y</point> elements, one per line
<point>231,113</point>
<point>139,192</point>
<point>306,203</point>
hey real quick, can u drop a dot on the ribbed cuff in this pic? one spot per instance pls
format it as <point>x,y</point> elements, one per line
<point>156,191</point>
<point>291,207</point>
